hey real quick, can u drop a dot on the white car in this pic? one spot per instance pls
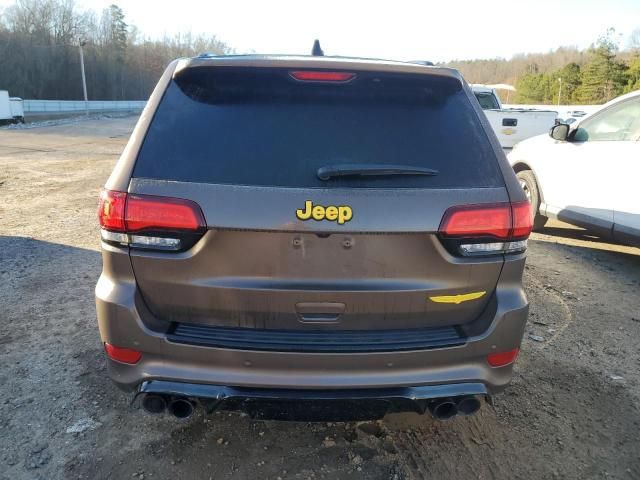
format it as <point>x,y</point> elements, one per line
<point>587,173</point>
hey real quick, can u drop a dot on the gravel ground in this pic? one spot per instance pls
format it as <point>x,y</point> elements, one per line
<point>572,411</point>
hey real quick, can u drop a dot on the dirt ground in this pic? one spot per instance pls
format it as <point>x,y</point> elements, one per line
<point>572,411</point>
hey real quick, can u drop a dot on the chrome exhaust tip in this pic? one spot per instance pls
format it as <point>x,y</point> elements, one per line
<point>443,409</point>
<point>181,408</point>
<point>468,405</point>
<point>154,404</point>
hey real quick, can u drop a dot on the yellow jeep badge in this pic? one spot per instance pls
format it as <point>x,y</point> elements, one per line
<point>332,213</point>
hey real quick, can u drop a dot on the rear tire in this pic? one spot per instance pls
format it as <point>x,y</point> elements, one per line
<point>528,183</point>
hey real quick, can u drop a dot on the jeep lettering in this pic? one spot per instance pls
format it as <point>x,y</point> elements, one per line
<point>340,214</point>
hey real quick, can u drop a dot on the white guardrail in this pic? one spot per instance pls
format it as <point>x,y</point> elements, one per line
<point>63,106</point>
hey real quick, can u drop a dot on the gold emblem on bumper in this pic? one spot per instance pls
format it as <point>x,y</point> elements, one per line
<point>457,299</point>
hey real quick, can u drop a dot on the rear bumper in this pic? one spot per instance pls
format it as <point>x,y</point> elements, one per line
<point>288,404</point>
<point>125,322</point>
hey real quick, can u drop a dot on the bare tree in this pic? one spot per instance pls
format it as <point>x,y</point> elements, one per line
<point>39,41</point>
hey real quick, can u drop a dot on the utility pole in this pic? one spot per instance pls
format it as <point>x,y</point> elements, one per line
<point>81,44</point>
<point>559,90</point>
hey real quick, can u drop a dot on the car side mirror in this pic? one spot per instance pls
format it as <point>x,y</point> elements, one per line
<point>580,135</point>
<point>559,132</point>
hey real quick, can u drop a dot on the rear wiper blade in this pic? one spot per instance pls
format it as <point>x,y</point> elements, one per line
<point>371,169</point>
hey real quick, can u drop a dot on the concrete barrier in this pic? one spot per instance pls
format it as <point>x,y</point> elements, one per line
<point>70,106</point>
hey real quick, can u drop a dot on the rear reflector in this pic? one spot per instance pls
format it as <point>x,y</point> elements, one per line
<point>487,229</point>
<point>321,76</point>
<point>502,359</point>
<point>124,355</point>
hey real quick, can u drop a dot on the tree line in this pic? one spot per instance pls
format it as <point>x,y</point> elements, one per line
<point>39,52</point>
<point>567,75</point>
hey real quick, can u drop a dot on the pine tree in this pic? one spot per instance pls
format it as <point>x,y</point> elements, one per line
<point>568,77</point>
<point>633,75</point>
<point>534,88</point>
<point>117,31</point>
<point>114,40</point>
<point>603,77</point>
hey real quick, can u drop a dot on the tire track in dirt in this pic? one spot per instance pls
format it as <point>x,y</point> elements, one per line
<point>459,448</point>
<point>534,286</point>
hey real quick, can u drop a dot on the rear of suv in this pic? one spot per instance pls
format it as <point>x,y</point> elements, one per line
<point>293,235</point>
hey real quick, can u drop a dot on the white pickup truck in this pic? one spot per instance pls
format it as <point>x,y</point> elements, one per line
<point>11,108</point>
<point>512,125</point>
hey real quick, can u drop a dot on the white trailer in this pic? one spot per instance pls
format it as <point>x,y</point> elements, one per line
<point>11,108</point>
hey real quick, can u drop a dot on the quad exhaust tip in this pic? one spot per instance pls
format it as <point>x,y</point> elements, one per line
<point>446,408</point>
<point>179,407</point>
<point>468,405</point>
<point>443,408</point>
<point>154,404</point>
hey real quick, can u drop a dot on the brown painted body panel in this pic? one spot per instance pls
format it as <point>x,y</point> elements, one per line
<point>383,266</point>
<point>259,279</point>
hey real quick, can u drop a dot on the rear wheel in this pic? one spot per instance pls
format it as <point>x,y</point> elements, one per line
<point>530,187</point>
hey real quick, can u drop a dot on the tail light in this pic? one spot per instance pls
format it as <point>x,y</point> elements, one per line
<point>151,222</point>
<point>473,230</point>
<point>322,76</point>
<point>111,210</point>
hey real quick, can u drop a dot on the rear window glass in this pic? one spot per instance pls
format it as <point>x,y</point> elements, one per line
<point>261,127</point>
<point>487,101</point>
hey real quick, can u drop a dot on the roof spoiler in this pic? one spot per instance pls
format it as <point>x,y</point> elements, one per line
<point>319,62</point>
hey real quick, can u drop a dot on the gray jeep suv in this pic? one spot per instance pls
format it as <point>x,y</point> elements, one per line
<point>302,236</point>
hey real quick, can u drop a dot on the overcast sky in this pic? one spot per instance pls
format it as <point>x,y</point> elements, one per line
<point>403,30</point>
